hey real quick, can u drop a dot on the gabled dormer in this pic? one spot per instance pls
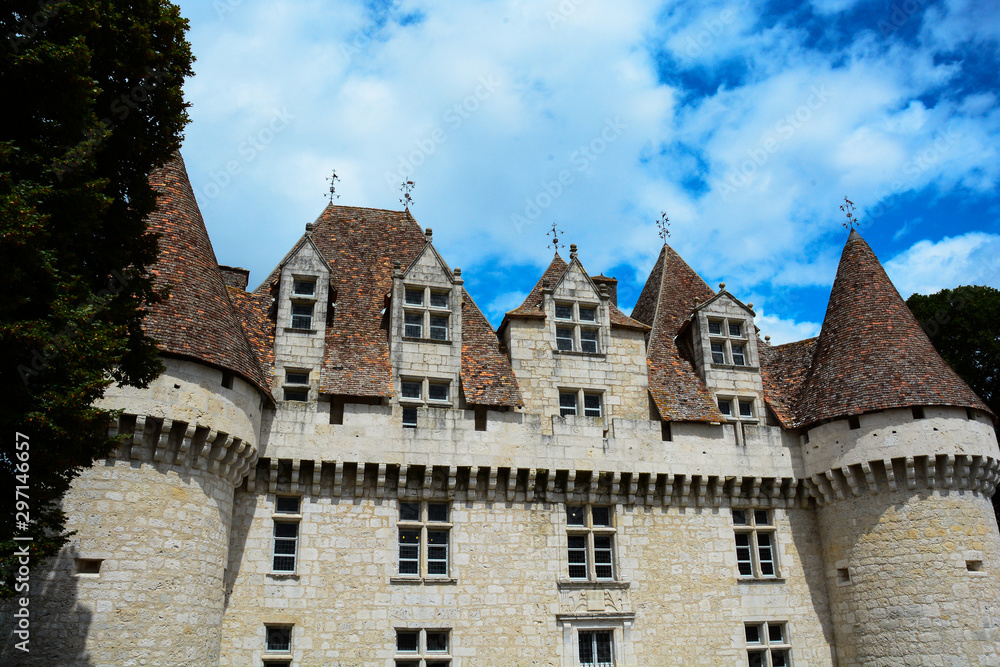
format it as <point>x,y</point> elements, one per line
<point>720,339</point>
<point>425,332</point>
<point>303,303</point>
<point>577,312</point>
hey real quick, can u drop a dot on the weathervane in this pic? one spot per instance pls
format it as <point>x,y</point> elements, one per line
<point>848,208</point>
<point>333,186</point>
<point>406,200</point>
<point>555,238</point>
<point>664,224</point>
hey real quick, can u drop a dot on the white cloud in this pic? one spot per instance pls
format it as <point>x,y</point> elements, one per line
<point>784,331</point>
<point>928,267</point>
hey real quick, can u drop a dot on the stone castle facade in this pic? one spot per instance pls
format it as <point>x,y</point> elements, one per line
<point>349,466</point>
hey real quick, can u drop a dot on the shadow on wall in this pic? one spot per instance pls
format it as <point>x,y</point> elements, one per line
<point>59,624</point>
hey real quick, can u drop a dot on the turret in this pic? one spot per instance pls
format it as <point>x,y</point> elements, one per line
<point>901,457</point>
<point>152,522</point>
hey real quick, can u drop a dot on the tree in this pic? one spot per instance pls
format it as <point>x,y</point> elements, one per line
<point>964,326</point>
<point>93,103</point>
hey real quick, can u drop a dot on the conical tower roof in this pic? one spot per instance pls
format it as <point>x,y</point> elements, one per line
<point>667,300</point>
<point>871,353</point>
<point>197,321</point>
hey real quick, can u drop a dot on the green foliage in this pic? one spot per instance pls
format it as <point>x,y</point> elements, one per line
<point>92,103</point>
<point>964,326</point>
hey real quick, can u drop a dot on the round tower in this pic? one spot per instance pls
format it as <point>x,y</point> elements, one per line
<point>142,580</point>
<point>902,459</point>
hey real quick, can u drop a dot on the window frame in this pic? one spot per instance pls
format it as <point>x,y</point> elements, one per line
<point>297,318</point>
<point>424,656</point>
<point>591,532</point>
<point>428,312</point>
<point>752,530</point>
<point>424,525</point>
<point>767,647</point>
<point>278,652</point>
<point>283,517</point>
<point>728,342</point>
<point>579,407</point>
<point>575,325</point>
<point>592,634</point>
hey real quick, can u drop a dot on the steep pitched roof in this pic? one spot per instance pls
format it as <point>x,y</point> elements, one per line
<point>532,305</point>
<point>198,320</point>
<point>253,311</point>
<point>487,377</point>
<point>783,369</point>
<point>666,300</point>
<point>871,353</point>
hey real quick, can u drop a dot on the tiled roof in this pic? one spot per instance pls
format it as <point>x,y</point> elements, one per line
<point>487,377</point>
<point>783,369</point>
<point>198,320</point>
<point>667,299</point>
<point>532,305</point>
<point>871,353</point>
<point>361,245</point>
<point>253,311</point>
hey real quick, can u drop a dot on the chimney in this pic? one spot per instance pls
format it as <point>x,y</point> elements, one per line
<point>235,276</point>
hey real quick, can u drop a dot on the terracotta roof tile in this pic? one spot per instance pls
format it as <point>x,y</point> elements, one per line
<point>871,353</point>
<point>254,313</point>
<point>666,301</point>
<point>487,377</point>
<point>198,320</point>
<point>783,369</point>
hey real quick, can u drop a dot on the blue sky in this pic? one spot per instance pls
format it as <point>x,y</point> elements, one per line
<point>747,122</point>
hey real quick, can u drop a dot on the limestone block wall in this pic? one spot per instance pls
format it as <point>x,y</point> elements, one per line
<point>507,598</point>
<point>914,578</point>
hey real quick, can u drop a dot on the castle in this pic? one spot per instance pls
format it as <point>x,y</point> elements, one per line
<point>349,466</point>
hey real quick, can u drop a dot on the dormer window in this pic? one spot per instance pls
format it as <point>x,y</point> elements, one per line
<point>583,335</point>
<point>426,313</point>
<point>727,341</point>
<point>304,287</point>
<point>302,315</point>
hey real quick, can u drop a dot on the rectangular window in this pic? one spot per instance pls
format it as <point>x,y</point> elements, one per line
<point>409,417</point>
<point>736,329</point>
<point>413,325</point>
<point>414,297</point>
<point>439,327</point>
<point>437,391</point>
<point>304,287</point>
<point>755,543</point>
<point>423,648</point>
<point>296,377</point>
<point>590,542</point>
<point>286,535</point>
<point>596,648</point>
<point>278,638</point>
<point>567,403</point>
<point>423,523</point>
<point>588,340</point>
<point>412,389</point>
<point>767,644</point>
<point>726,407</point>
<point>718,353</point>
<point>592,405</point>
<point>715,327</point>
<point>739,357</point>
<point>439,299</point>
<point>302,315</point>
<point>746,408</point>
<point>300,395</point>
<point>588,314</point>
<point>564,339</point>
<point>564,311</point>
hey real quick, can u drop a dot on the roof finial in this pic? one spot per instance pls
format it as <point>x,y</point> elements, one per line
<point>572,251</point>
<point>406,200</point>
<point>664,224</point>
<point>848,208</point>
<point>555,238</point>
<point>333,186</point>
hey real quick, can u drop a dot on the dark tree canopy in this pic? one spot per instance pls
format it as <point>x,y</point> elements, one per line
<point>92,104</point>
<point>964,326</point>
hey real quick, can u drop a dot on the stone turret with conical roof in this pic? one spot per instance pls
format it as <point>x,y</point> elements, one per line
<point>156,551</point>
<point>901,457</point>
